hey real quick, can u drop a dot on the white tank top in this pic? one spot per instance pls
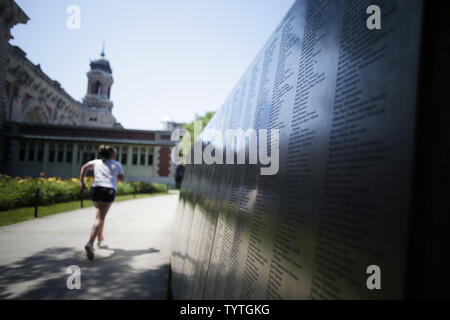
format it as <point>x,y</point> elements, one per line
<point>105,173</point>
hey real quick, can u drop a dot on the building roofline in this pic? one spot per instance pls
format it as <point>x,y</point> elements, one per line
<point>18,52</point>
<point>111,135</point>
<point>98,140</point>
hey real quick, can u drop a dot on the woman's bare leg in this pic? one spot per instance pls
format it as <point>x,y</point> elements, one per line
<point>100,232</point>
<point>102,209</point>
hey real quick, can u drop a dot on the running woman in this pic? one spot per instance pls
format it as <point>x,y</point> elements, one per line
<point>103,190</point>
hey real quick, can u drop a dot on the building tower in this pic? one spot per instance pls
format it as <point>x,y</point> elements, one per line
<point>96,103</point>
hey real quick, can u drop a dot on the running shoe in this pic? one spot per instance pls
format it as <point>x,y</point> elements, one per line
<point>89,250</point>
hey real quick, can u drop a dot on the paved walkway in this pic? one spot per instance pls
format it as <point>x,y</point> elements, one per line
<point>34,255</point>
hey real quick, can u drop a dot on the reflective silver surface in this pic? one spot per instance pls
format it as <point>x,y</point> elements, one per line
<point>344,99</point>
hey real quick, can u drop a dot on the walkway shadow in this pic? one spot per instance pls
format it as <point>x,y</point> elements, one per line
<point>44,275</point>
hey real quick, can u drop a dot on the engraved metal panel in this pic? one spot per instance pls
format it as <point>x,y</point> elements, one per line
<point>344,100</point>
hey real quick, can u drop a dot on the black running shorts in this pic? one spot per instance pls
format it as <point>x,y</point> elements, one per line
<point>103,194</point>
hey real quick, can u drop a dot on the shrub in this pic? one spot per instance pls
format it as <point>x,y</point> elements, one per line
<point>20,192</point>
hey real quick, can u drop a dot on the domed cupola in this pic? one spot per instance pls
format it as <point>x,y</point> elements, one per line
<point>101,63</point>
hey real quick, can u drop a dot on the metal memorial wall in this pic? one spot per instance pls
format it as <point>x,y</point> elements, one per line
<point>344,99</point>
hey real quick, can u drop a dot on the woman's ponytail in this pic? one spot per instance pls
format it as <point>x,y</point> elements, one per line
<point>105,152</point>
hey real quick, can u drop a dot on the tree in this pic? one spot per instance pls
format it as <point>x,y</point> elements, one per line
<point>190,126</point>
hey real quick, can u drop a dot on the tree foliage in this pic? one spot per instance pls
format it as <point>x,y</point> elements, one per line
<point>190,126</point>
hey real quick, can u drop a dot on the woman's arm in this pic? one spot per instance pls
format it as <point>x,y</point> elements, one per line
<point>120,176</point>
<point>84,169</point>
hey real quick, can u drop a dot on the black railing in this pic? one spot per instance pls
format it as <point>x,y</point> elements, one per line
<point>36,203</point>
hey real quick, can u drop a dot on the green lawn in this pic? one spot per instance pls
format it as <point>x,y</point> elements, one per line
<point>23,214</point>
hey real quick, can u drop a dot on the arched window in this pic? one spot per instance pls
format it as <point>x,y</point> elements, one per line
<point>97,88</point>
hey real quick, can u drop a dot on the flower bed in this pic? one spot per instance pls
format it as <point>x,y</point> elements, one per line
<point>20,192</point>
